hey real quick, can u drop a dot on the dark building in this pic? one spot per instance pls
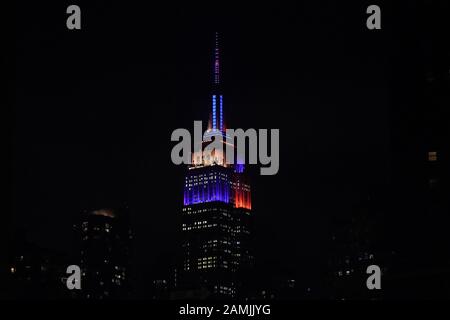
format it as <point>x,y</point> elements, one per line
<point>420,157</point>
<point>105,253</point>
<point>355,246</point>
<point>278,288</point>
<point>37,272</point>
<point>160,289</point>
<point>216,216</point>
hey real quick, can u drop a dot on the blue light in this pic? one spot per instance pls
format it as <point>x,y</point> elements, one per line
<point>221,114</point>
<point>214,112</point>
<point>239,168</point>
<point>215,186</point>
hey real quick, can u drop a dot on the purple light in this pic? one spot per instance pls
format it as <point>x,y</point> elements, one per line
<point>216,63</point>
<point>239,168</point>
<point>213,186</point>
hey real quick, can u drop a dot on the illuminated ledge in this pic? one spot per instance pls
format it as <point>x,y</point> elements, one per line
<point>197,166</point>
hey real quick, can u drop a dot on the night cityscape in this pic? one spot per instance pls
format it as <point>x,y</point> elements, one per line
<point>363,180</point>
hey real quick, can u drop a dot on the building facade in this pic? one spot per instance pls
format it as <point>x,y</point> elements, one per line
<point>216,215</point>
<point>105,254</point>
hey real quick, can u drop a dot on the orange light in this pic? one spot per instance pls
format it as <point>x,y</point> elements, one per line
<point>242,199</point>
<point>432,156</point>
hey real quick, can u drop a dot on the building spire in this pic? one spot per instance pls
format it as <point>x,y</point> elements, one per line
<point>217,115</point>
<point>216,61</point>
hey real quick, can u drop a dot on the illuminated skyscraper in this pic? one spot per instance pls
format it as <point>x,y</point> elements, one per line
<point>215,249</point>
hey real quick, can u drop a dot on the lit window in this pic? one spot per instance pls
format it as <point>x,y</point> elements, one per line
<point>432,156</point>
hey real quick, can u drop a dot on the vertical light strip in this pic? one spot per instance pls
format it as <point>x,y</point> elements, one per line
<point>216,62</point>
<point>221,113</point>
<point>214,112</point>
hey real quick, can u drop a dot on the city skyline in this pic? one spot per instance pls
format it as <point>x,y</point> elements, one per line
<point>363,147</point>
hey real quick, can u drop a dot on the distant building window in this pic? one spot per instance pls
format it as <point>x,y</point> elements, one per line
<point>433,182</point>
<point>432,156</point>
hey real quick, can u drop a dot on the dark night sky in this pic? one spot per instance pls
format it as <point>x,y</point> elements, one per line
<point>95,109</point>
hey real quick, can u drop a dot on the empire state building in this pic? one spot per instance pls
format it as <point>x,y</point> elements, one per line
<point>215,248</point>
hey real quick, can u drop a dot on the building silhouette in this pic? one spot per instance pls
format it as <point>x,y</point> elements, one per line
<point>36,272</point>
<point>105,253</point>
<point>354,247</point>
